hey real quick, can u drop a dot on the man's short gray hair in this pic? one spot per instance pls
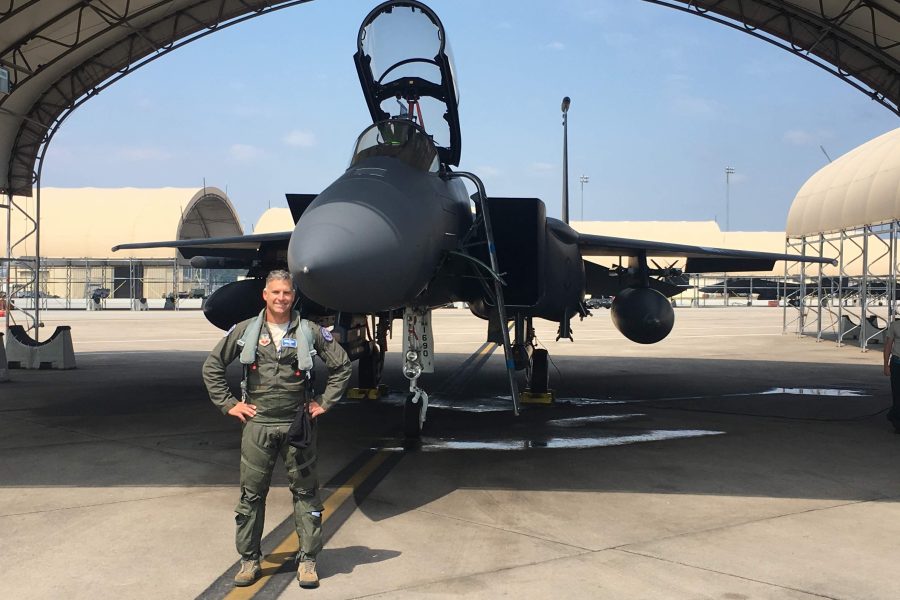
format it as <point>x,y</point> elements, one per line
<point>279,274</point>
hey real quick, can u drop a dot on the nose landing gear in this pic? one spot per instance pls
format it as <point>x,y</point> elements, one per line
<point>418,358</point>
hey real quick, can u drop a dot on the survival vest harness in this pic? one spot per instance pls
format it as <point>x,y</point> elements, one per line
<point>305,352</point>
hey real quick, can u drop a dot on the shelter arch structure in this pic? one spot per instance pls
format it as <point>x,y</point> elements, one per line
<point>850,211</point>
<point>57,54</point>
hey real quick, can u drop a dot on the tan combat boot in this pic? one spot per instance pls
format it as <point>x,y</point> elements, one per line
<point>248,574</point>
<point>306,574</point>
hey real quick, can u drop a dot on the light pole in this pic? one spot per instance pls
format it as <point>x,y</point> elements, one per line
<point>565,188</point>
<point>583,179</point>
<point>729,171</point>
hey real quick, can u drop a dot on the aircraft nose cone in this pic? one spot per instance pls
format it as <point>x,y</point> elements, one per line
<point>354,251</point>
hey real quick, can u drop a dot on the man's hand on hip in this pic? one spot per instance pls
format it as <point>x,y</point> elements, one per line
<point>243,411</point>
<point>315,409</point>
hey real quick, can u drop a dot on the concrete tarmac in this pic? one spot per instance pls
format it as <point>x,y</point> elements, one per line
<point>729,461</point>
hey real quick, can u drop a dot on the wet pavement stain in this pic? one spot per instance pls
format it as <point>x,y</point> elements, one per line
<point>815,392</point>
<point>599,440</point>
<point>591,420</point>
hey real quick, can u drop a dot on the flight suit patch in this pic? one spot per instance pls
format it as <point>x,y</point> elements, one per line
<point>288,343</point>
<point>265,340</point>
<point>327,335</point>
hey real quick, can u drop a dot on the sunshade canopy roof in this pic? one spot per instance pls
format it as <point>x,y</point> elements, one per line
<point>59,53</point>
<point>860,188</point>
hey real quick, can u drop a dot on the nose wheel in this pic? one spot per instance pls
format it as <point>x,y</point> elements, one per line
<point>538,374</point>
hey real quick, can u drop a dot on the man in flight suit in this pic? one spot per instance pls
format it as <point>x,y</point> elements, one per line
<point>276,351</point>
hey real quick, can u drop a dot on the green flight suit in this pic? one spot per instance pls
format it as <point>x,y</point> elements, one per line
<point>277,390</point>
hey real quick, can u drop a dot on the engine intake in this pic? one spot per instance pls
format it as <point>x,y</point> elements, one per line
<point>643,315</point>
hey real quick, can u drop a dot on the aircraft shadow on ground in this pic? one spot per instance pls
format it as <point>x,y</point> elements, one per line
<point>337,561</point>
<point>624,424</point>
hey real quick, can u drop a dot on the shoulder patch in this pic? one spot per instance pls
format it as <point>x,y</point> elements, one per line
<point>327,335</point>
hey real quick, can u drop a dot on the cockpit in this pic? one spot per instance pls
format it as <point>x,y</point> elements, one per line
<point>401,139</point>
<point>407,73</point>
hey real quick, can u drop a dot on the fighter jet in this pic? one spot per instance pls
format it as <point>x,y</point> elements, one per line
<point>763,289</point>
<point>400,233</point>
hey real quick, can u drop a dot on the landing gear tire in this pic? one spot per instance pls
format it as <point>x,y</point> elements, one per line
<point>539,376</point>
<point>370,367</point>
<point>412,418</point>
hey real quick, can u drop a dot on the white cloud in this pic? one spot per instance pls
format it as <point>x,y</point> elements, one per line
<point>246,111</point>
<point>678,79</point>
<point>619,39</point>
<point>738,177</point>
<point>60,151</point>
<point>300,139</point>
<point>798,137</point>
<point>142,153</point>
<point>683,100</point>
<point>596,12</point>
<point>556,46</point>
<point>244,152</point>
<point>693,105</point>
<point>543,167</point>
<point>487,171</point>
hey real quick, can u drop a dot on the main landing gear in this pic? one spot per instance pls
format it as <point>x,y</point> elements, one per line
<point>371,365</point>
<point>535,363</point>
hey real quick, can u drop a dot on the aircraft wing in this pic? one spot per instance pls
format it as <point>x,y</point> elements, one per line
<point>700,259</point>
<point>241,246</point>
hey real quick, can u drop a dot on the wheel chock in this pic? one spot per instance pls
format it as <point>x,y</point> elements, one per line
<point>22,352</point>
<point>375,393</point>
<point>543,398</point>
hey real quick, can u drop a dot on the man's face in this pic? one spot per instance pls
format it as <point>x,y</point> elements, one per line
<point>279,297</point>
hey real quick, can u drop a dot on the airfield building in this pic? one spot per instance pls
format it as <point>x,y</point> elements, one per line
<point>79,227</point>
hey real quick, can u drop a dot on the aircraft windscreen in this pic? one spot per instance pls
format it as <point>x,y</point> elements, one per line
<point>400,139</point>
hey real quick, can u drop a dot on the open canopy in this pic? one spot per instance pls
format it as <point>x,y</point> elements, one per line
<point>406,71</point>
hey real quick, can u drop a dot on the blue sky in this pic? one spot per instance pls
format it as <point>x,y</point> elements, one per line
<point>662,102</point>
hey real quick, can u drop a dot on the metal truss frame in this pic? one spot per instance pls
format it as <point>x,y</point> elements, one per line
<point>858,295</point>
<point>13,287</point>
<point>831,39</point>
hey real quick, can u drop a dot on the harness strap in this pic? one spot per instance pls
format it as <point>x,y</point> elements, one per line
<point>304,361</point>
